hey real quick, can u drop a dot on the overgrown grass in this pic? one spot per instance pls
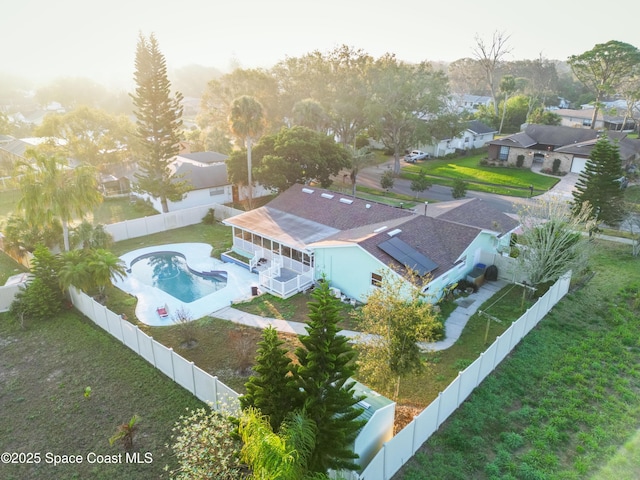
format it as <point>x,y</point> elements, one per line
<point>44,371</point>
<point>564,402</point>
<point>499,180</point>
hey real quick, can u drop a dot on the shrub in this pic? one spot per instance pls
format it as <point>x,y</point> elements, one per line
<point>206,446</point>
<point>520,161</point>
<point>556,166</point>
<point>459,189</point>
<point>209,218</point>
<point>484,162</point>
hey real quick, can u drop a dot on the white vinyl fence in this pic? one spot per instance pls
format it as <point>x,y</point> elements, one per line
<point>397,451</point>
<point>140,227</point>
<point>7,294</point>
<point>203,385</point>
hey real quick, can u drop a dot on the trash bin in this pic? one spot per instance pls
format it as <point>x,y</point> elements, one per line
<point>254,290</point>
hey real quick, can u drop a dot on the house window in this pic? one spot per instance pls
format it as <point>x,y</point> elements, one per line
<point>504,153</point>
<point>216,191</point>
<point>376,280</point>
<point>586,122</point>
<point>466,139</point>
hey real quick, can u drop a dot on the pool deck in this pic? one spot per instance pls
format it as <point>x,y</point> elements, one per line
<point>198,257</point>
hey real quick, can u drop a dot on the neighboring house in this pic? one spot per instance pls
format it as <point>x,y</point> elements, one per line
<point>582,119</point>
<point>475,135</point>
<point>307,233</point>
<point>206,173</point>
<point>542,144</point>
<point>468,103</point>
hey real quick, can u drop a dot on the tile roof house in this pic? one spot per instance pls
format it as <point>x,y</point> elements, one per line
<point>543,144</point>
<point>306,233</point>
<point>475,135</point>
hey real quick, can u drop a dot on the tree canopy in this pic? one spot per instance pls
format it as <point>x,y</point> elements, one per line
<point>159,121</point>
<point>295,155</point>
<point>50,190</point>
<point>603,68</point>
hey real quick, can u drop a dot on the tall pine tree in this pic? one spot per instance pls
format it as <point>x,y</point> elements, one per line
<point>159,119</point>
<point>326,363</point>
<point>598,184</point>
<point>270,389</point>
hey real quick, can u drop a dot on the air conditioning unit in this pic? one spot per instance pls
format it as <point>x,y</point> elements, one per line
<point>336,292</point>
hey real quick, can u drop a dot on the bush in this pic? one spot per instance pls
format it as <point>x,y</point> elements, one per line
<point>484,162</point>
<point>209,218</point>
<point>459,189</point>
<point>206,446</point>
<point>520,161</point>
<point>556,166</point>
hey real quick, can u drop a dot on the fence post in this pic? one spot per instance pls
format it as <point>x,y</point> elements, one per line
<point>136,328</point>
<point>193,377</point>
<point>173,369</point>
<point>216,405</point>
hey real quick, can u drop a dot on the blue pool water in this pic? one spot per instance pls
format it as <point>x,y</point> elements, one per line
<point>169,272</point>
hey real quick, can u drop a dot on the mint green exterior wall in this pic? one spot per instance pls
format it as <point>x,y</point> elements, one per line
<point>349,267</point>
<point>483,247</point>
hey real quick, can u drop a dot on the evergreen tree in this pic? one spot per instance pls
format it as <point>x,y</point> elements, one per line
<point>326,363</point>
<point>598,184</point>
<point>159,118</point>
<point>270,390</point>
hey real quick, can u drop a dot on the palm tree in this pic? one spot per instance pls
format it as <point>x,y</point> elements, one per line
<point>104,267</point>
<point>50,190</point>
<point>284,455</point>
<point>87,269</point>
<point>246,121</point>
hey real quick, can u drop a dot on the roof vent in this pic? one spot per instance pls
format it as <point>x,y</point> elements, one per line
<point>364,404</point>
<point>348,201</point>
<point>307,190</point>
<point>394,232</point>
<point>368,205</point>
<point>326,195</point>
<point>380,229</point>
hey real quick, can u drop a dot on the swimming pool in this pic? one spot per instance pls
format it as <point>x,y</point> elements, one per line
<point>170,272</point>
<point>152,274</point>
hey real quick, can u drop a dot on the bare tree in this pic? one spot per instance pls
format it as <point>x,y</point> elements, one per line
<point>490,56</point>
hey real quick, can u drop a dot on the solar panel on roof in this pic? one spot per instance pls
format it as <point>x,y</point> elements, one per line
<point>408,256</point>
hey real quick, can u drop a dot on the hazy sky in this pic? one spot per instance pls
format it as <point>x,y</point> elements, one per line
<point>43,39</point>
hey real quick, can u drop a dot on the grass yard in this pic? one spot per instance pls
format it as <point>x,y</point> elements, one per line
<point>8,267</point>
<point>565,404</point>
<point>44,371</point>
<point>499,180</point>
<point>217,235</point>
<point>112,210</point>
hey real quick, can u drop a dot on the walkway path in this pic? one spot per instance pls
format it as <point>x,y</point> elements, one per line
<point>453,326</point>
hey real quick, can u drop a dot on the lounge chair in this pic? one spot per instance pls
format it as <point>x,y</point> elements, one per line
<point>163,312</point>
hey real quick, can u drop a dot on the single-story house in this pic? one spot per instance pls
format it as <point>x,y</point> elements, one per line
<point>475,135</point>
<point>468,103</point>
<point>583,118</point>
<point>542,144</point>
<point>206,173</point>
<point>306,233</point>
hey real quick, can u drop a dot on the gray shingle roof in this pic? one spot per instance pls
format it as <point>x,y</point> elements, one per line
<point>480,214</point>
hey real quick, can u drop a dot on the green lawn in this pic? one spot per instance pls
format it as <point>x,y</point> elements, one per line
<point>500,180</point>
<point>565,403</point>
<point>44,371</point>
<point>110,211</point>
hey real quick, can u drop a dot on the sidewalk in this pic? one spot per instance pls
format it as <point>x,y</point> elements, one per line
<point>453,326</point>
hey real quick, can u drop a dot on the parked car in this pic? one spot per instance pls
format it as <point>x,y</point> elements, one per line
<point>415,155</point>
